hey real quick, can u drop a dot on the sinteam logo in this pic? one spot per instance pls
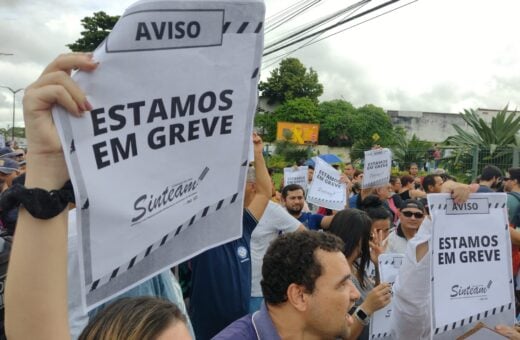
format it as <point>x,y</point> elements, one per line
<point>470,291</point>
<point>151,204</point>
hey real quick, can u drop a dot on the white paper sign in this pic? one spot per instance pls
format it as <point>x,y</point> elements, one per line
<point>296,176</point>
<point>159,165</point>
<point>326,189</point>
<point>377,168</point>
<point>471,270</point>
<point>380,323</point>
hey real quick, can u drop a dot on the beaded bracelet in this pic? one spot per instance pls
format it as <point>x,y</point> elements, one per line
<point>38,202</point>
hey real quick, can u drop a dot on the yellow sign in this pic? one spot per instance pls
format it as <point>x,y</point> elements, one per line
<point>299,133</point>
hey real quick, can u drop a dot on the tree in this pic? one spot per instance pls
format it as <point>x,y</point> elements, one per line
<point>300,110</point>
<point>371,125</point>
<point>491,143</point>
<point>336,118</point>
<point>291,80</point>
<point>97,27</point>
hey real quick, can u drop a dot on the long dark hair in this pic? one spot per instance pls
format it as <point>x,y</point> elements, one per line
<point>375,208</point>
<point>354,227</point>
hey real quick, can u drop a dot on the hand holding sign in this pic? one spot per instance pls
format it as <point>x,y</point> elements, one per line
<point>54,86</point>
<point>377,298</point>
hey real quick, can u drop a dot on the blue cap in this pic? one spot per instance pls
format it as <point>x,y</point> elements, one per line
<point>7,165</point>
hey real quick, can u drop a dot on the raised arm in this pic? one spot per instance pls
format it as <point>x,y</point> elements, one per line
<point>36,289</point>
<point>263,181</point>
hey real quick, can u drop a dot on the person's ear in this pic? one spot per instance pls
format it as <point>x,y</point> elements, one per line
<point>297,297</point>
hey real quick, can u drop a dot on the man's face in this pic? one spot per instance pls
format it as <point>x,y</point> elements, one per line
<point>509,184</point>
<point>294,202</point>
<point>411,218</point>
<point>334,295</point>
<point>414,170</point>
<point>349,171</point>
<point>437,188</point>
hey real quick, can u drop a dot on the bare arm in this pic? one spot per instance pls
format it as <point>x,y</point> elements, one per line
<point>36,289</point>
<point>263,181</point>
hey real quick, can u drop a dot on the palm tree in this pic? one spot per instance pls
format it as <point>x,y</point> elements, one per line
<point>491,143</point>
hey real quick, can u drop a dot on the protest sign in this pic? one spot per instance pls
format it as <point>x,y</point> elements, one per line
<point>295,175</point>
<point>326,189</point>
<point>377,168</point>
<point>481,332</point>
<point>380,323</point>
<point>471,273</point>
<point>158,165</point>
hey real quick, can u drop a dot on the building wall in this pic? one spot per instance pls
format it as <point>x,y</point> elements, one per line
<point>430,126</point>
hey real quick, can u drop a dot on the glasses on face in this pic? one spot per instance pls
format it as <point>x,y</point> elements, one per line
<point>417,215</point>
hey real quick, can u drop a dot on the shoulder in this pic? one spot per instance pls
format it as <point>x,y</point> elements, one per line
<point>240,329</point>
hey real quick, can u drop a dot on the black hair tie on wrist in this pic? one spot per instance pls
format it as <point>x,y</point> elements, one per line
<point>38,202</point>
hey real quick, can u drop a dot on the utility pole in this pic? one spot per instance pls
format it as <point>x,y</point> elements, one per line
<point>14,92</point>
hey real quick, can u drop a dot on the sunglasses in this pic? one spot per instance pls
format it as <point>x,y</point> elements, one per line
<point>417,215</point>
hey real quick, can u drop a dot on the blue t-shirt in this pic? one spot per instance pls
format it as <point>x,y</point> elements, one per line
<point>221,283</point>
<point>484,188</point>
<point>310,220</point>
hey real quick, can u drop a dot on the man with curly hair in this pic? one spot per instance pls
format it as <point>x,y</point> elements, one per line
<point>307,289</point>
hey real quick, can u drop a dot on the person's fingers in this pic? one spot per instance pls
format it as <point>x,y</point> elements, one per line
<point>54,94</point>
<point>63,79</point>
<point>70,61</point>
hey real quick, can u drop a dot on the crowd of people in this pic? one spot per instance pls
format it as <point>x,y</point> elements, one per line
<point>298,271</point>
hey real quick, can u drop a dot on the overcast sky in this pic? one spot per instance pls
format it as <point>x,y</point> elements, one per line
<point>433,55</point>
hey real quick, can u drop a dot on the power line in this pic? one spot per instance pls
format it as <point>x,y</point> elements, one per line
<point>342,22</point>
<point>312,41</point>
<point>318,23</point>
<point>288,18</point>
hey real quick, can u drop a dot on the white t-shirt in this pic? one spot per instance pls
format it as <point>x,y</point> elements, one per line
<point>395,244</point>
<point>275,219</point>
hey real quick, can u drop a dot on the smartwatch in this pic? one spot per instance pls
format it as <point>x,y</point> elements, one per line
<point>361,315</point>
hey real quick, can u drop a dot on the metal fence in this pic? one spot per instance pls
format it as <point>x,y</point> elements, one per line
<point>465,164</point>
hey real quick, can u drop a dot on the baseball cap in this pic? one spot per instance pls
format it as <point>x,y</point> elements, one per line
<point>7,166</point>
<point>9,153</point>
<point>412,204</point>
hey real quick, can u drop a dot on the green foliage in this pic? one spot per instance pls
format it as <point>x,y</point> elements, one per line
<point>490,143</point>
<point>292,153</point>
<point>291,80</point>
<point>8,133</point>
<point>406,151</point>
<point>370,121</point>
<point>336,118</point>
<point>97,27</point>
<point>300,110</point>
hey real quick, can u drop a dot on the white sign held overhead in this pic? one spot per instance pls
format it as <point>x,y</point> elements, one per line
<point>377,168</point>
<point>327,190</point>
<point>296,175</point>
<point>380,323</point>
<point>471,272</point>
<point>163,154</point>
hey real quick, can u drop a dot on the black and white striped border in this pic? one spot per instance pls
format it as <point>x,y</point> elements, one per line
<point>168,237</point>
<point>473,318</point>
<point>491,205</point>
<point>325,200</point>
<point>242,27</point>
<point>380,335</point>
